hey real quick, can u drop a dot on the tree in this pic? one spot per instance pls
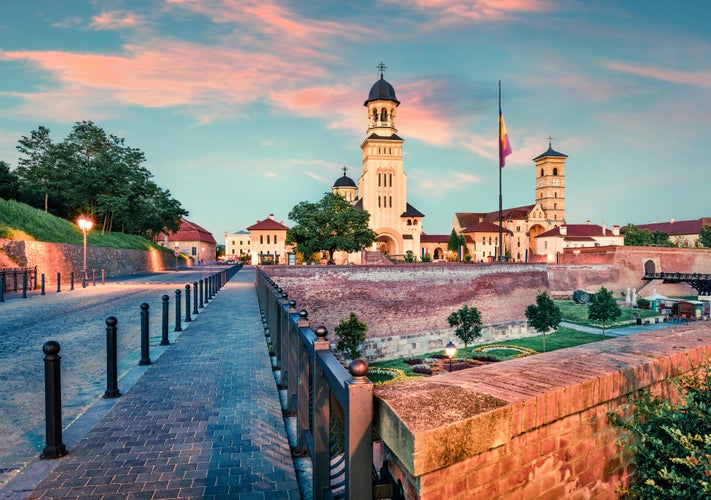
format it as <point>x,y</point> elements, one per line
<point>40,169</point>
<point>660,239</point>
<point>705,236</point>
<point>456,241</point>
<point>635,237</point>
<point>545,315</point>
<point>351,334</point>
<point>603,308</point>
<point>9,183</point>
<point>467,321</point>
<point>330,225</point>
<point>671,441</point>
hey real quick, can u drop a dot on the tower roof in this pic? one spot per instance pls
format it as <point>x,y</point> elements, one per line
<point>344,181</point>
<point>549,153</point>
<point>382,90</point>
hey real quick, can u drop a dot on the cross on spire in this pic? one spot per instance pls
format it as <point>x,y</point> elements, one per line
<point>381,67</point>
<point>345,169</point>
<point>550,143</point>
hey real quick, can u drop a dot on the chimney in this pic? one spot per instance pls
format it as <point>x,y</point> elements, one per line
<point>604,228</point>
<point>271,216</point>
<point>615,230</point>
<point>563,230</point>
<point>587,221</point>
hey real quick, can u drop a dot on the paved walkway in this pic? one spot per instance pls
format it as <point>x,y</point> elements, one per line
<point>203,421</point>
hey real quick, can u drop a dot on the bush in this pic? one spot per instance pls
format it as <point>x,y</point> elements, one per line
<point>423,369</point>
<point>671,442</point>
<point>351,334</point>
<point>412,362</point>
<point>643,303</point>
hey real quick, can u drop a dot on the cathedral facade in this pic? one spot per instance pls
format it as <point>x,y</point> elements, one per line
<point>382,185</point>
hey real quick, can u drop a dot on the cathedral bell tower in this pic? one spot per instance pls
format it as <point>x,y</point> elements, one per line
<point>382,186</point>
<point>550,184</point>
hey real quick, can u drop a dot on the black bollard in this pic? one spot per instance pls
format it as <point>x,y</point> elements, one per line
<point>59,282</point>
<point>24,285</point>
<point>112,390</point>
<point>2,287</point>
<point>207,290</point>
<point>188,319</point>
<point>177,311</point>
<point>103,277</point>
<point>53,401</point>
<point>201,306</point>
<point>42,293</point>
<point>14,280</point>
<point>145,354</point>
<point>195,294</point>
<point>71,281</point>
<point>93,277</point>
<point>164,332</point>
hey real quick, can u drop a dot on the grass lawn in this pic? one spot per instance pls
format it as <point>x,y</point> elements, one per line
<point>561,339</point>
<point>578,314</point>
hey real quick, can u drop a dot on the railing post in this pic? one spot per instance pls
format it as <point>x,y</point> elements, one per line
<point>53,401</point>
<point>188,319</point>
<point>59,282</point>
<point>164,332</point>
<point>207,290</point>
<point>195,297</point>
<point>42,292</point>
<point>14,280</point>
<point>24,285</point>
<point>112,390</point>
<point>145,336</point>
<point>201,306</point>
<point>35,281</point>
<point>321,431</point>
<point>359,432</point>
<point>93,277</point>
<point>2,287</point>
<point>71,281</point>
<point>292,361</point>
<point>177,328</point>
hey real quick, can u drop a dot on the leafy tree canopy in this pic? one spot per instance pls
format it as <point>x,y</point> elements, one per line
<point>603,308</point>
<point>94,173</point>
<point>544,315</point>
<point>636,237</point>
<point>467,323</point>
<point>330,225</point>
<point>705,236</point>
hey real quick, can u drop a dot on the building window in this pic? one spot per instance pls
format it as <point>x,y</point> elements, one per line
<point>275,239</point>
<point>261,239</point>
<point>542,174</point>
<point>268,238</point>
<point>391,180</point>
<point>555,171</point>
<point>409,222</point>
<point>378,201</point>
<point>378,180</point>
<point>193,251</point>
<point>414,222</point>
<point>391,202</point>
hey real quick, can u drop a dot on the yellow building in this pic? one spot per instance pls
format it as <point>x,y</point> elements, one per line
<point>268,242</point>
<point>238,246</point>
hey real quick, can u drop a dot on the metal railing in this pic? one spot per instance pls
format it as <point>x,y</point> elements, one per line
<point>333,405</point>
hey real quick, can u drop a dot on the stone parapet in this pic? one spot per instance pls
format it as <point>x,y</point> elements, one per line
<point>532,427</point>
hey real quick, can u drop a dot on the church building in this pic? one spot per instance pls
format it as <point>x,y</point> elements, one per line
<point>382,186</point>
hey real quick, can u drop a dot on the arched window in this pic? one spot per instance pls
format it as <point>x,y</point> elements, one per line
<point>414,222</point>
<point>261,239</point>
<point>391,202</point>
<point>378,180</point>
<point>542,174</point>
<point>275,239</point>
<point>409,222</point>
<point>555,171</point>
<point>383,115</point>
<point>391,180</point>
<point>268,239</point>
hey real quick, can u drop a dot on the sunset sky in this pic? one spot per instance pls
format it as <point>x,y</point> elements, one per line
<point>246,108</point>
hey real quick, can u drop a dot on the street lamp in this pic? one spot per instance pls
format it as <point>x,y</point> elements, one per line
<point>177,254</point>
<point>450,350</point>
<point>85,224</point>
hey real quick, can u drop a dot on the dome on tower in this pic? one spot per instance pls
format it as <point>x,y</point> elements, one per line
<point>381,90</point>
<point>344,181</point>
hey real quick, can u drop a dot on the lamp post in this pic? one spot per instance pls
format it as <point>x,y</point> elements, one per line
<point>177,254</point>
<point>85,224</point>
<point>450,350</point>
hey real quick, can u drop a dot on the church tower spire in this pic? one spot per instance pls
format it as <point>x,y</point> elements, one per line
<point>550,183</point>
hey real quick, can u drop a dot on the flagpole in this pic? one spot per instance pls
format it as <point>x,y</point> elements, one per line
<point>501,241</point>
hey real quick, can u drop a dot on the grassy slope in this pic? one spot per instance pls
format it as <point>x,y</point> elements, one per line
<point>22,222</point>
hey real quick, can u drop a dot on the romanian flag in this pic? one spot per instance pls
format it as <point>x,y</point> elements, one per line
<point>504,144</point>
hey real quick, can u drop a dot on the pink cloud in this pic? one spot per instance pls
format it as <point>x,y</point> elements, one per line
<point>700,78</point>
<point>461,11</point>
<point>115,20</point>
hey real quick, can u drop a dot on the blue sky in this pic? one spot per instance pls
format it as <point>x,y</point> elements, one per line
<point>246,108</point>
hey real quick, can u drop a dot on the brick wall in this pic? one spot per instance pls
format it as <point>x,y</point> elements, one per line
<point>534,427</point>
<point>51,258</point>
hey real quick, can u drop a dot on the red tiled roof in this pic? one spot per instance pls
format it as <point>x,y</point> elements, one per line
<point>268,224</point>
<point>578,230</point>
<point>485,227</point>
<point>189,231</point>
<point>677,227</point>
<point>467,219</point>
<point>434,238</point>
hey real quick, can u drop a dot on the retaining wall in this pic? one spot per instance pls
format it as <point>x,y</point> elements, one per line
<point>51,258</point>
